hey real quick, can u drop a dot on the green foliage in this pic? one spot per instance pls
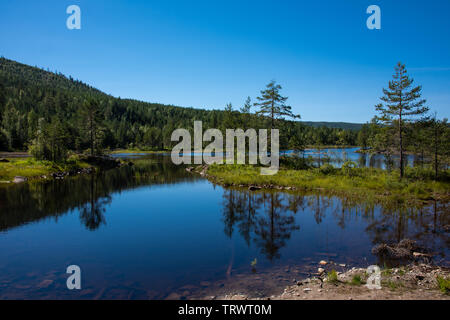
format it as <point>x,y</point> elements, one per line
<point>368,183</point>
<point>272,105</point>
<point>356,280</point>
<point>332,276</point>
<point>31,168</point>
<point>443,284</point>
<point>402,101</point>
<point>349,168</point>
<point>327,169</point>
<point>295,162</point>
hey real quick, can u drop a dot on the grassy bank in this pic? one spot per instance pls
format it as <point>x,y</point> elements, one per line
<point>364,182</point>
<point>31,168</point>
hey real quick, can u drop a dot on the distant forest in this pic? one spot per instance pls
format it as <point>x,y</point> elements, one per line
<point>36,102</point>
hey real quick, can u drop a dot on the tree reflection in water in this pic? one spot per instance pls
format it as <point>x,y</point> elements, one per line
<point>92,212</point>
<point>268,219</point>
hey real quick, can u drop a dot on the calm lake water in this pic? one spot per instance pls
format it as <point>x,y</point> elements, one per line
<point>155,231</point>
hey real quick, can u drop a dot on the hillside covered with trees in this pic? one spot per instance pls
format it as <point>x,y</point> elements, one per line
<point>50,114</point>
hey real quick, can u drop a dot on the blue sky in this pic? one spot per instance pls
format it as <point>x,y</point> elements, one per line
<point>205,54</point>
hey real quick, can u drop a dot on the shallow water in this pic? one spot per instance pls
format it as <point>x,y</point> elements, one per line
<point>153,229</point>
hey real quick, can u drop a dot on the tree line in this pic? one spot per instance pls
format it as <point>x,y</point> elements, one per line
<point>52,115</point>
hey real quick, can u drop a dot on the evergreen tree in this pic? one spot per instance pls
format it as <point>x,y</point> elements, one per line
<point>402,102</point>
<point>92,117</point>
<point>272,105</point>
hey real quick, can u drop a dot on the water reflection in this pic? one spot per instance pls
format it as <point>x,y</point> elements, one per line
<point>90,194</point>
<point>268,219</point>
<point>153,227</point>
<point>337,156</point>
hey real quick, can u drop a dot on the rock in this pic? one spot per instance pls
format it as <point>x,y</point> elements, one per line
<point>321,270</point>
<point>419,254</point>
<point>252,188</point>
<point>4,160</point>
<point>19,179</point>
<point>342,265</point>
<point>307,289</point>
<point>322,262</point>
<point>189,169</point>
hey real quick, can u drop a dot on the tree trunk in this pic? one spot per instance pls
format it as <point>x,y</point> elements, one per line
<point>435,151</point>
<point>401,142</point>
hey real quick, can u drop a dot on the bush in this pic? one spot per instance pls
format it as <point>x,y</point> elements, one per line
<point>327,169</point>
<point>443,284</point>
<point>332,276</point>
<point>418,173</point>
<point>349,168</point>
<point>295,162</point>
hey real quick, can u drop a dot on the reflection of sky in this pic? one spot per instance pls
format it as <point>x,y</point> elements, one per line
<point>337,156</point>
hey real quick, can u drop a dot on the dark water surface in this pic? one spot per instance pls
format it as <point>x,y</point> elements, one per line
<point>154,229</point>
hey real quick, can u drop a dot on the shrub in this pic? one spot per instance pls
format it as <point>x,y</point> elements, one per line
<point>332,276</point>
<point>295,162</point>
<point>349,168</point>
<point>443,284</point>
<point>327,169</point>
<point>356,280</point>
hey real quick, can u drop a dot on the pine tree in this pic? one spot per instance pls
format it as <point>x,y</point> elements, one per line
<point>272,104</point>
<point>402,102</point>
<point>91,114</point>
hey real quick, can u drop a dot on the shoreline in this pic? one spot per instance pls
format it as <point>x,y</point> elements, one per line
<point>410,282</point>
<point>18,170</point>
<point>365,187</point>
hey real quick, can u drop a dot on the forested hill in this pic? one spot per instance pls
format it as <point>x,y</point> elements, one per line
<point>336,125</point>
<point>32,99</point>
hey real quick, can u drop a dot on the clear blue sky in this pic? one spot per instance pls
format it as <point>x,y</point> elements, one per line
<point>208,53</point>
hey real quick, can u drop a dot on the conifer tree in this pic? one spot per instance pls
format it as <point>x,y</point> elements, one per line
<point>402,101</point>
<point>272,105</point>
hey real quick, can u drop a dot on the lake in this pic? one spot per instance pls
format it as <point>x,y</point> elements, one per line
<point>155,231</point>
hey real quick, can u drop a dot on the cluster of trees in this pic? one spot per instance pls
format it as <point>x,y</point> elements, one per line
<point>404,125</point>
<point>51,114</point>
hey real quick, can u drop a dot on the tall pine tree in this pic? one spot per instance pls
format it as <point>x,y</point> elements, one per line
<point>272,105</point>
<point>402,101</point>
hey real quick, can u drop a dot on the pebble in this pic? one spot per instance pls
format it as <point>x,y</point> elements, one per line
<point>322,262</point>
<point>307,289</point>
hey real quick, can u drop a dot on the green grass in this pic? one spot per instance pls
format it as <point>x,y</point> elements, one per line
<point>443,284</point>
<point>393,285</point>
<point>356,280</point>
<point>332,276</point>
<point>366,182</point>
<point>32,168</point>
